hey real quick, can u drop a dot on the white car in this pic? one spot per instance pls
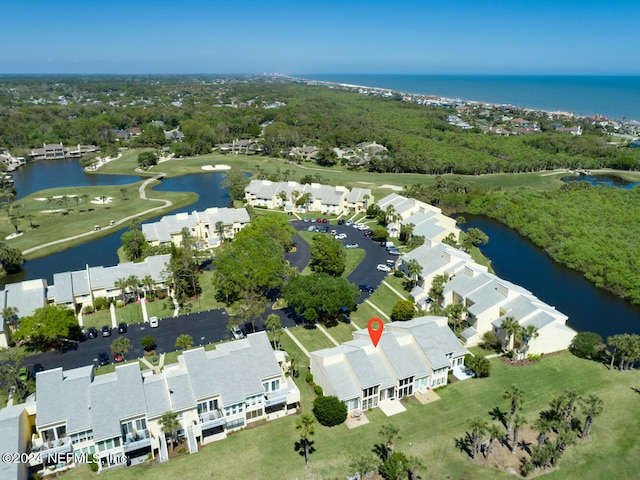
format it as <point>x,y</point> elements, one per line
<point>348,223</point>
<point>341,236</point>
<point>383,268</point>
<point>351,245</point>
<point>153,322</point>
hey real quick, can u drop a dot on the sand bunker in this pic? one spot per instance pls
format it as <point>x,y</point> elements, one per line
<point>215,167</point>
<point>102,201</point>
<point>395,188</point>
<point>13,235</point>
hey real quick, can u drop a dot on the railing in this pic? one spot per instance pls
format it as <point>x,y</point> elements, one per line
<point>52,447</point>
<point>212,419</point>
<point>136,440</point>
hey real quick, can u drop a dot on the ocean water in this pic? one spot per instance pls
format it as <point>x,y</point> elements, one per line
<point>613,97</point>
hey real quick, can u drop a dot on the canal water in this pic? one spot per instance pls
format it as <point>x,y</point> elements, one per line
<point>41,175</point>
<point>519,261</point>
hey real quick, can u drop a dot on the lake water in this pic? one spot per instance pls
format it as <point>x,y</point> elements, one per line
<point>519,261</point>
<point>41,175</point>
<point>602,181</point>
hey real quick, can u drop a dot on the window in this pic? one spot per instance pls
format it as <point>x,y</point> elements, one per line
<point>108,444</point>
<point>370,398</point>
<point>208,406</point>
<point>254,399</point>
<point>275,385</point>
<point>234,409</point>
<point>254,414</point>
<point>235,424</point>
<point>406,387</point>
<point>81,436</point>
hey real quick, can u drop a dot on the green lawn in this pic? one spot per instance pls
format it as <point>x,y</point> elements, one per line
<point>398,284</point>
<point>384,298</point>
<point>342,332</point>
<point>311,339</point>
<point>363,314</point>
<point>428,432</point>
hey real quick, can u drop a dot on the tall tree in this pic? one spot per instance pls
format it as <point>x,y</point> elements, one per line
<point>121,284</point>
<point>327,255</point>
<point>274,325</point>
<point>390,432</point>
<point>184,341</point>
<point>121,346</point>
<point>478,427</point>
<point>510,326</point>
<point>518,422</point>
<point>515,396</point>
<point>133,242</point>
<point>591,407</point>
<point>11,360</point>
<point>169,425</point>
<point>414,269</point>
<point>49,326</point>
<point>305,425</point>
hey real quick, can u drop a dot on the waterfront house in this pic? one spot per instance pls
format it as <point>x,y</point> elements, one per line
<point>212,392</point>
<point>55,151</point>
<point>209,227</point>
<point>410,357</point>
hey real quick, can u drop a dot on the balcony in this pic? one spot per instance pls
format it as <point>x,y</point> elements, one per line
<point>62,445</point>
<point>212,419</point>
<point>136,440</point>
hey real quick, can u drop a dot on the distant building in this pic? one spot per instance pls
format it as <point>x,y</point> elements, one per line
<point>319,198</point>
<point>55,151</point>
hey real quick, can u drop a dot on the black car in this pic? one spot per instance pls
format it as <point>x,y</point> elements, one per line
<point>36,368</point>
<point>103,359</point>
<point>122,327</point>
<point>92,332</point>
<point>106,331</point>
<point>340,222</point>
<point>366,288</point>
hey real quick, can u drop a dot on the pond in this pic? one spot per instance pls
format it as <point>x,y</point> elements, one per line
<point>518,260</point>
<point>38,176</point>
<point>602,181</point>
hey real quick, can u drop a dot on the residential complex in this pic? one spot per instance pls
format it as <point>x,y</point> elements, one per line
<point>55,151</point>
<point>410,357</point>
<point>326,199</point>
<point>427,220</point>
<point>210,227</point>
<point>212,392</point>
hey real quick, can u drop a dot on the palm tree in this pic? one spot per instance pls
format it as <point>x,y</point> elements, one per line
<point>274,325</point>
<point>123,191</point>
<point>591,407</point>
<point>29,217</point>
<point>515,397</point>
<point>543,426</point>
<point>389,214</point>
<point>510,327</point>
<point>220,230</point>
<point>148,283</point>
<point>134,283</point>
<point>571,396</point>
<point>121,346</point>
<point>10,315</point>
<point>364,465</point>
<point>85,198</point>
<point>495,433</point>
<point>412,465</point>
<point>305,425</point>
<point>530,332</point>
<point>414,269</point>
<point>389,431</point>
<point>121,284</point>
<point>184,342</point>
<point>169,424</point>
<point>518,422</point>
<point>478,427</point>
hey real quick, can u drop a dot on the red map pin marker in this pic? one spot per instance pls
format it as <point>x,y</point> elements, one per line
<point>375,327</point>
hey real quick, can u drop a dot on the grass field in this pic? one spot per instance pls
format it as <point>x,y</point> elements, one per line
<point>428,431</point>
<point>311,339</point>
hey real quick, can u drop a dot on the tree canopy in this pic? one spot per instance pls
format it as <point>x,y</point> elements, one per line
<point>327,255</point>
<point>320,296</point>
<point>49,326</point>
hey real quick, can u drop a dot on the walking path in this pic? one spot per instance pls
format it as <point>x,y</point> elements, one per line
<point>324,330</point>
<point>156,369</point>
<point>376,308</point>
<point>297,342</point>
<point>394,290</point>
<point>143,196</point>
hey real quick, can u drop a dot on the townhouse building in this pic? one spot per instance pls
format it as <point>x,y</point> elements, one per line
<point>209,227</point>
<point>410,357</point>
<point>327,199</point>
<point>119,414</point>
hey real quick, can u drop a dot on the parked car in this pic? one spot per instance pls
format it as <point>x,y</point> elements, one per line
<point>305,220</point>
<point>340,222</point>
<point>122,327</point>
<point>351,245</point>
<point>366,288</point>
<point>395,252</point>
<point>313,220</point>
<point>368,233</point>
<point>103,359</point>
<point>324,220</point>
<point>153,322</point>
<point>341,236</point>
<point>383,268</point>
<point>92,332</point>
<point>311,228</point>
<point>237,333</point>
<point>23,374</point>
<point>324,229</point>
<point>117,358</point>
<point>319,220</point>
<point>106,331</point>
<point>36,369</point>
<point>348,223</point>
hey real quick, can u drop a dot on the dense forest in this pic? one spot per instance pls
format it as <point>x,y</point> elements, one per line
<point>590,229</point>
<point>214,110</point>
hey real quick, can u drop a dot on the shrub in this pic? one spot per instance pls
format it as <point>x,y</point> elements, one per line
<point>162,295</point>
<point>329,411</point>
<point>587,345</point>
<point>119,304</point>
<point>148,342</point>
<point>403,310</point>
<point>101,303</point>
<point>93,466</point>
<point>480,366</point>
<point>318,390</point>
<point>87,309</point>
<point>309,377</point>
<point>398,273</point>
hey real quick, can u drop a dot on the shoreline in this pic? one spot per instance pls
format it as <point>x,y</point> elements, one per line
<point>452,100</point>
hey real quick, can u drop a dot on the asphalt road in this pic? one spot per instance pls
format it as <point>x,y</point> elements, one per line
<point>211,326</point>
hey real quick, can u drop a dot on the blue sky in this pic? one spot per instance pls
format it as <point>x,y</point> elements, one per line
<point>307,36</point>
